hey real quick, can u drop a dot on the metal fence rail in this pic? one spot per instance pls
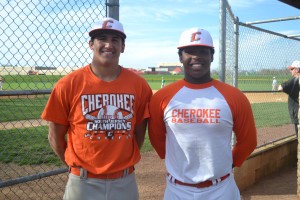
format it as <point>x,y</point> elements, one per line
<point>32,177</point>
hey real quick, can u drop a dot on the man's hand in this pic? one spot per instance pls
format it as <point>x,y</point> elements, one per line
<point>57,140</point>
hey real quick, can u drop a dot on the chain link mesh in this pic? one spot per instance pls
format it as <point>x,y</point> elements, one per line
<point>40,42</point>
<point>262,55</point>
<point>266,54</point>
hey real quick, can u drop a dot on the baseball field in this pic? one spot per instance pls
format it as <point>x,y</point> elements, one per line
<point>253,82</point>
<point>24,148</point>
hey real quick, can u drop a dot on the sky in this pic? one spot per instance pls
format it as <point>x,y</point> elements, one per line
<point>54,33</point>
<point>153,27</point>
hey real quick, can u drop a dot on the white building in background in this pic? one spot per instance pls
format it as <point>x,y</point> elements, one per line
<point>156,70</point>
<point>35,70</point>
<point>162,68</point>
<point>15,70</point>
<point>173,68</point>
<point>169,65</point>
<point>165,68</point>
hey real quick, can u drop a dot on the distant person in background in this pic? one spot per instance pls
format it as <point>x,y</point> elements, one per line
<point>274,84</point>
<point>162,82</point>
<point>1,82</point>
<point>291,87</point>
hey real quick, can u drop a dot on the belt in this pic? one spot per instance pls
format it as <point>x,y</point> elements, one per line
<point>76,171</point>
<point>204,184</point>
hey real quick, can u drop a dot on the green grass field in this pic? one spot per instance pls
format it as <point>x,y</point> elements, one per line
<point>270,114</point>
<point>38,82</point>
<point>23,109</point>
<point>30,145</point>
<point>16,109</point>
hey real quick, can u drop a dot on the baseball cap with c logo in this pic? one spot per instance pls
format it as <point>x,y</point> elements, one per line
<point>107,24</point>
<point>195,37</point>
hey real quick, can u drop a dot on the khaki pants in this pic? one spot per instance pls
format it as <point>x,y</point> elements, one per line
<point>100,189</point>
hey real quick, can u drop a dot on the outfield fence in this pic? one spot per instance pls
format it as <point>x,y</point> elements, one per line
<point>42,41</point>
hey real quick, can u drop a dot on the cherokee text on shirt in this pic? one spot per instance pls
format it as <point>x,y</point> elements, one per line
<point>94,102</point>
<point>200,115</point>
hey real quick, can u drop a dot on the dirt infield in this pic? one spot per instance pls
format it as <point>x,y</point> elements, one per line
<point>150,171</point>
<point>263,97</point>
<point>266,97</point>
<point>151,181</point>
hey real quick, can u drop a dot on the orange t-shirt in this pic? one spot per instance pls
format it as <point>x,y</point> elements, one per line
<point>101,117</point>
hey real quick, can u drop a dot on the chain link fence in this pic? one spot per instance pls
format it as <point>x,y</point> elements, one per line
<point>41,41</point>
<point>254,57</point>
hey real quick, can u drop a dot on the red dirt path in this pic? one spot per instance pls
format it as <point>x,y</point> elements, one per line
<point>150,171</point>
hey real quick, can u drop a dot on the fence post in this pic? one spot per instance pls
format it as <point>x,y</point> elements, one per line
<point>236,62</point>
<point>113,9</point>
<point>298,152</point>
<point>222,49</point>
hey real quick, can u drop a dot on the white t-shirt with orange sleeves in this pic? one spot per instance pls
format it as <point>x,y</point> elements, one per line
<point>191,127</point>
<point>101,117</point>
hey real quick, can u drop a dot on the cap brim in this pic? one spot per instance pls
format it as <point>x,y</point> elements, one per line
<point>291,67</point>
<point>194,45</point>
<point>98,31</point>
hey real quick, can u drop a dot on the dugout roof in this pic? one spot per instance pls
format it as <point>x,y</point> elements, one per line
<point>294,3</point>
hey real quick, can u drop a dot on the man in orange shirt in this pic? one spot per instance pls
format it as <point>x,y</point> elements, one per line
<point>103,110</point>
<point>191,126</point>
